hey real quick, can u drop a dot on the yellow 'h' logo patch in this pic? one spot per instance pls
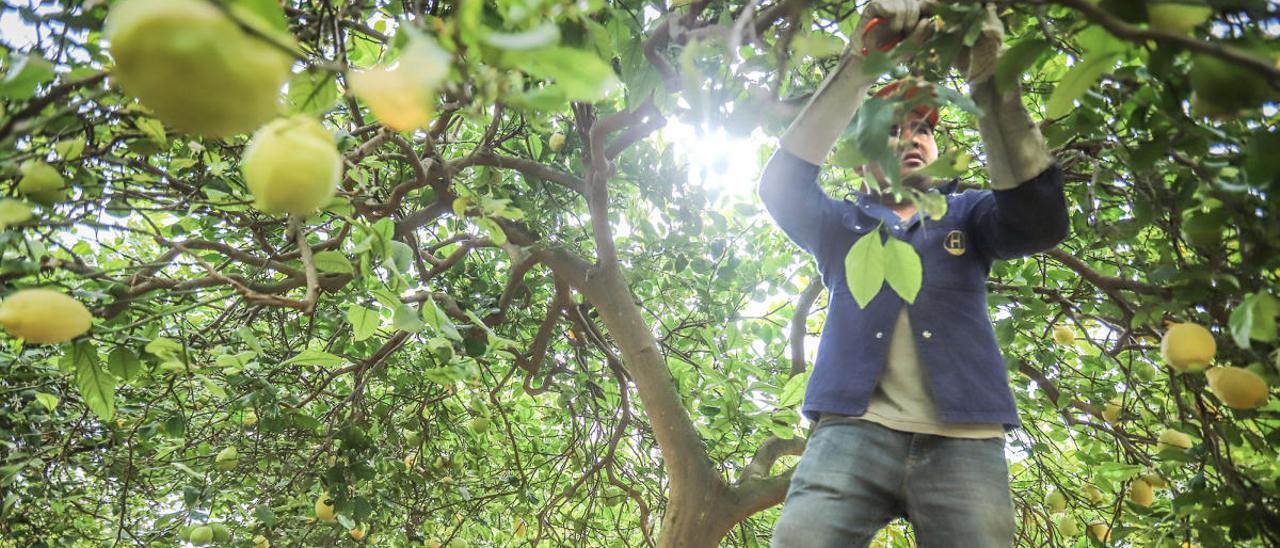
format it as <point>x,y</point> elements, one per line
<point>954,243</point>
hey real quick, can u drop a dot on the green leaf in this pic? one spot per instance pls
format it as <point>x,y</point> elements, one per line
<point>316,357</point>
<point>581,74</point>
<point>124,364</point>
<point>153,129</point>
<point>493,230</point>
<point>312,92</point>
<point>864,268</point>
<point>97,386</point>
<point>870,127</point>
<point>49,401</point>
<point>269,11</point>
<point>406,318</point>
<point>1078,80</point>
<point>69,149</point>
<point>540,36</point>
<point>902,269</point>
<point>951,164</point>
<point>364,322</point>
<point>1254,319</point>
<point>793,391</point>
<point>332,261</point>
<point>1017,59</point>
<point>25,74</point>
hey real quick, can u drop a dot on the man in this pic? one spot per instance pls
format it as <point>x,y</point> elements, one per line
<point>911,402</point>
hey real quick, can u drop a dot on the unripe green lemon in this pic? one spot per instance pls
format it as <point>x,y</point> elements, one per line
<point>1056,501</point>
<point>202,535</point>
<point>1067,525</point>
<point>1063,335</point>
<point>13,212</point>
<point>480,425</point>
<point>220,532</point>
<point>1188,347</point>
<point>227,459</point>
<point>292,165</point>
<point>193,65</point>
<point>44,316</point>
<point>41,182</point>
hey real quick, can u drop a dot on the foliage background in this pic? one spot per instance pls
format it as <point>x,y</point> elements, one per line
<point>436,314</point>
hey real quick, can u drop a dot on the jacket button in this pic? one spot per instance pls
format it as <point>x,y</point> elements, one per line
<point>879,334</point>
<point>927,334</point>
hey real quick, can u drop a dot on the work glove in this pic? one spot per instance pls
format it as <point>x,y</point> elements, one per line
<point>1016,152</point>
<point>814,132</point>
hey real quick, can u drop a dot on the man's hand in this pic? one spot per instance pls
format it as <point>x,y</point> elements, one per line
<point>979,61</point>
<point>898,20</point>
<point>1016,152</point>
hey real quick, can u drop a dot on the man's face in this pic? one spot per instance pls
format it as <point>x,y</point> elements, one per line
<point>913,139</point>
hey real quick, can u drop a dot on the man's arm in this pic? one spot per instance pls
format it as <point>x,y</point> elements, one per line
<point>789,187</point>
<point>1026,212</point>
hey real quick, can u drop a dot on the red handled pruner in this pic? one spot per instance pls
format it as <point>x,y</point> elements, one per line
<point>887,44</point>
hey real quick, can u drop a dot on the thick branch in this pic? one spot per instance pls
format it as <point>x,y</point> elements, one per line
<point>798,322</point>
<point>1235,56</point>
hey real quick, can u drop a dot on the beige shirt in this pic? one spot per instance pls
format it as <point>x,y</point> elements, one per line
<point>901,401</point>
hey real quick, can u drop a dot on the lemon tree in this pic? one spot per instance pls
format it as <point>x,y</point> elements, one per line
<point>493,273</point>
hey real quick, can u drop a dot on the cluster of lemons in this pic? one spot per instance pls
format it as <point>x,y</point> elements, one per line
<point>1187,348</point>
<point>216,70</point>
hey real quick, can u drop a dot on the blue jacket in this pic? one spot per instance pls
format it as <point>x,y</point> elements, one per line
<point>965,374</point>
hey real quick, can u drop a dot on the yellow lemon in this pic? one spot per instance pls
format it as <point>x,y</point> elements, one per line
<point>194,67</point>
<point>1063,335</point>
<point>1188,347</point>
<point>1140,493</point>
<point>402,97</point>
<point>324,508</point>
<point>556,142</point>
<point>1237,387</point>
<point>1095,495</point>
<point>1171,438</point>
<point>357,534</point>
<point>292,165</point>
<point>44,316</point>
<point>1100,531</point>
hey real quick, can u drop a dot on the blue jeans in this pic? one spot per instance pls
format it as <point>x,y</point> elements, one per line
<point>856,476</point>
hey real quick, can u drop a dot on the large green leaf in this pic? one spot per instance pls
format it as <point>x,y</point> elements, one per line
<point>902,269</point>
<point>97,386</point>
<point>864,268</point>
<point>364,322</point>
<point>1078,80</point>
<point>580,74</point>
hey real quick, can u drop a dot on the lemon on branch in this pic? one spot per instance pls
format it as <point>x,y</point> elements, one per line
<point>1237,387</point>
<point>292,165</point>
<point>402,97</point>
<point>202,535</point>
<point>44,316</point>
<point>1171,438</point>
<point>1140,493</point>
<point>324,508</point>
<point>1188,347</point>
<point>194,67</point>
<point>1067,525</point>
<point>1063,335</point>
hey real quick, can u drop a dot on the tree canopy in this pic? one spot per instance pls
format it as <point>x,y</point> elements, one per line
<point>526,318</point>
